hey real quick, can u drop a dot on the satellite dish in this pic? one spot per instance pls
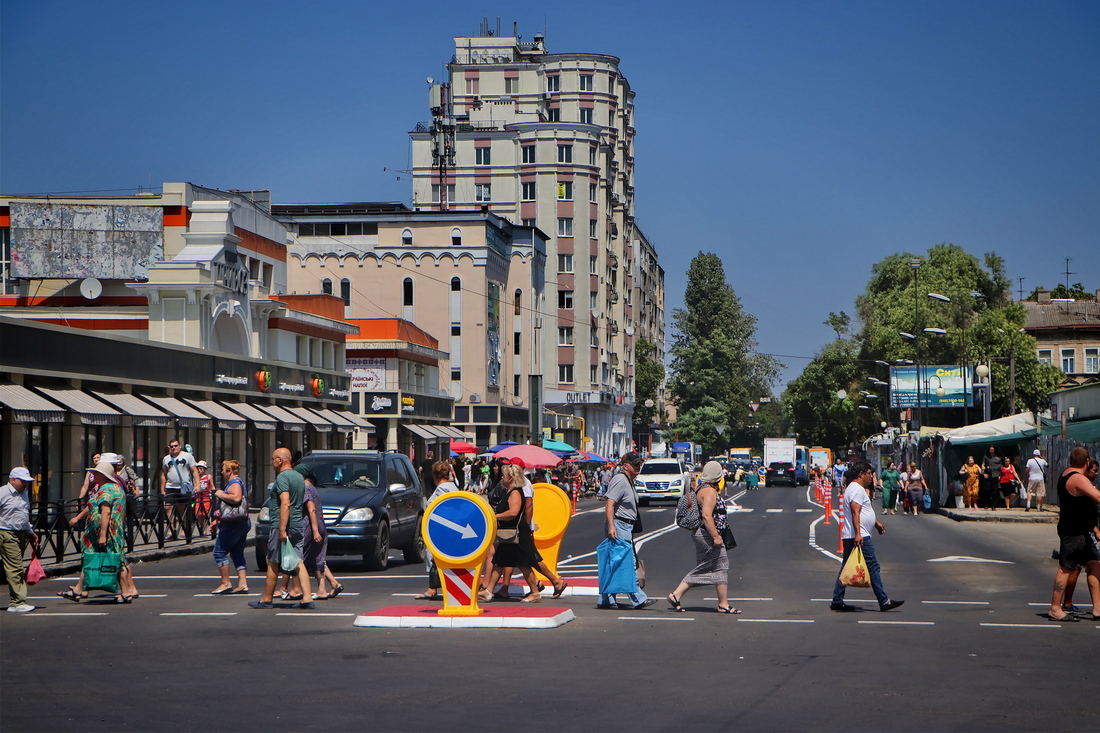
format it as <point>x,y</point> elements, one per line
<point>91,288</point>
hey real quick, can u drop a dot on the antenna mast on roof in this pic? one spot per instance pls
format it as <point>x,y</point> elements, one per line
<point>1021,287</point>
<point>1068,273</point>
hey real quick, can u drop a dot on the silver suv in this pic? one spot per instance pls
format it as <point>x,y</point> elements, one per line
<point>661,478</point>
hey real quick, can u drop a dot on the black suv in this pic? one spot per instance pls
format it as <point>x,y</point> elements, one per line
<point>780,472</point>
<point>371,502</point>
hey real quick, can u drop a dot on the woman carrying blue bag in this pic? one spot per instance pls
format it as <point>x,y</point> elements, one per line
<point>615,556</point>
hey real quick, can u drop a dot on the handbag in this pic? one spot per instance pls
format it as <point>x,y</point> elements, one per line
<point>288,557</point>
<point>230,513</point>
<point>508,536</point>
<point>688,515</point>
<point>101,570</point>
<point>727,538</point>
<point>855,572</point>
<point>639,567</point>
<point>35,572</point>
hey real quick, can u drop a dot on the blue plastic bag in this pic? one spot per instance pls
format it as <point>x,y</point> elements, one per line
<point>615,563</point>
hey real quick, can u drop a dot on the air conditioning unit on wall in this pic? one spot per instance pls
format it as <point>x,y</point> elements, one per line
<point>474,399</point>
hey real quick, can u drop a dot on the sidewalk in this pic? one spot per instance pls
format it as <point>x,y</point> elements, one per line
<point>1049,515</point>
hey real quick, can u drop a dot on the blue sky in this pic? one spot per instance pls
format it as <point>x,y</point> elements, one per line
<point>800,141</point>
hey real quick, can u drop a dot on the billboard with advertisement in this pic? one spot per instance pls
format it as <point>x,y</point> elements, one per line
<point>957,386</point>
<point>368,375</point>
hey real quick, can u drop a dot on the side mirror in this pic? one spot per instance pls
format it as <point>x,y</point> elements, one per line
<point>397,488</point>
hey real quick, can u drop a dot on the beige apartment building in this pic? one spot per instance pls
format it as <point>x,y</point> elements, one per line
<point>1067,334</point>
<point>470,280</point>
<point>547,140</point>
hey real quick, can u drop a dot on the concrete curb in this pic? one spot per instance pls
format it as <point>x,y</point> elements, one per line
<point>1005,517</point>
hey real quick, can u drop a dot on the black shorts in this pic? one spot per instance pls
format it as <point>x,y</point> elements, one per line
<point>1078,549</point>
<point>176,496</point>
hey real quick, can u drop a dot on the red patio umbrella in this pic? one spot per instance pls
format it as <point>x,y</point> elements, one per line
<point>532,456</point>
<point>461,446</point>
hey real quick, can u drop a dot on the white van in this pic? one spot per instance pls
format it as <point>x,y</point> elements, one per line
<point>661,478</point>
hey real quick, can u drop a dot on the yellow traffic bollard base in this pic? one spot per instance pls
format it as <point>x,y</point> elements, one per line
<point>460,591</point>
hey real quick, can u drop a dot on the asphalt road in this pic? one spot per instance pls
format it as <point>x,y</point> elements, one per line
<point>970,650</point>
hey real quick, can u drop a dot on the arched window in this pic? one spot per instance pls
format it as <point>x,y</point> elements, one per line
<point>407,293</point>
<point>518,305</point>
<point>326,286</point>
<point>345,291</point>
<point>407,237</point>
<point>456,285</point>
<point>456,237</point>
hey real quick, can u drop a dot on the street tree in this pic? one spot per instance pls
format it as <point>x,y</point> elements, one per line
<point>812,408</point>
<point>715,362</point>
<point>1075,291</point>
<point>649,373</point>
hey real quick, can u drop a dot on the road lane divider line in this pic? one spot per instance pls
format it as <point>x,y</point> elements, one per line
<point>959,603</point>
<point>813,540</point>
<point>74,613</point>
<point>654,618</point>
<point>774,511</point>
<point>202,613</point>
<point>777,620</point>
<point>803,511</point>
<point>638,542</point>
<point>849,601</point>
<point>900,623</point>
<point>656,511</point>
<point>740,600</point>
<point>1021,626</point>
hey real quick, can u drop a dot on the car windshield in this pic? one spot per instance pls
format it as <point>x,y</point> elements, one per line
<point>337,471</point>
<point>655,467</point>
<point>781,466</point>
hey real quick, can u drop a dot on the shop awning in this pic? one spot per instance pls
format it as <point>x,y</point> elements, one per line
<point>320,424</point>
<point>26,406</point>
<point>339,422</point>
<point>90,410</point>
<point>260,419</point>
<point>144,415</point>
<point>424,431</point>
<point>355,420</point>
<point>451,432</point>
<point>227,419</point>
<point>290,422</point>
<point>186,415</point>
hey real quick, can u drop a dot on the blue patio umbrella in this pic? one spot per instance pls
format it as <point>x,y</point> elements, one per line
<point>502,446</point>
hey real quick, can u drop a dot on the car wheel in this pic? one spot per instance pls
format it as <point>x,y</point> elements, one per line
<point>643,502</point>
<point>379,555</point>
<point>416,552</point>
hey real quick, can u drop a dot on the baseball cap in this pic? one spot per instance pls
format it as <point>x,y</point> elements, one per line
<point>113,458</point>
<point>20,472</point>
<point>1036,452</point>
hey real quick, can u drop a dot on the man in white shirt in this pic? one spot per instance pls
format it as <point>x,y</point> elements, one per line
<point>859,520</point>
<point>15,533</point>
<point>1036,480</point>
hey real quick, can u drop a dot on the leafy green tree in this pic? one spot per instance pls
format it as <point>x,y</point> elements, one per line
<point>812,408</point>
<point>700,426</point>
<point>715,363</point>
<point>839,322</point>
<point>649,372</point>
<point>1076,291</point>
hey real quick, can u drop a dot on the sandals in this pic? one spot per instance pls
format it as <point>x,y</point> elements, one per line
<point>285,595</point>
<point>533,597</point>
<point>124,599</point>
<point>72,595</point>
<point>675,603</point>
<point>485,596</point>
<point>335,591</point>
<point>559,591</point>
<point>222,592</point>
<point>423,596</point>
<point>728,609</point>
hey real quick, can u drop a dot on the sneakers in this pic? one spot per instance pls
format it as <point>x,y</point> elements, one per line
<point>890,606</point>
<point>21,608</point>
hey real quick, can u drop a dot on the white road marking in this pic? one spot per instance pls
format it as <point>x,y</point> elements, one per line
<point>846,600</point>
<point>803,511</point>
<point>777,620</point>
<point>638,542</point>
<point>774,511</point>
<point>209,613</point>
<point>739,600</point>
<point>76,613</point>
<point>959,603</point>
<point>813,540</point>
<point>967,558</point>
<point>657,511</point>
<point>900,623</point>
<point>1023,626</point>
<point>50,598</point>
<point>742,510</point>
<point>653,618</point>
<point>317,615</point>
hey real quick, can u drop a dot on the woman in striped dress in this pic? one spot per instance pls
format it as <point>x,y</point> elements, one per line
<point>712,563</point>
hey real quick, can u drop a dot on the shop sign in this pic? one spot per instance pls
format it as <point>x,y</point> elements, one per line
<point>381,403</point>
<point>408,404</point>
<point>366,374</point>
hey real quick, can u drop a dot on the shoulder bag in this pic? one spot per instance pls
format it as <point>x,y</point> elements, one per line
<point>688,515</point>
<point>234,513</point>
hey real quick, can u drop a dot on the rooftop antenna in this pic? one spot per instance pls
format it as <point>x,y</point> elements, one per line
<point>1068,273</point>
<point>1021,287</point>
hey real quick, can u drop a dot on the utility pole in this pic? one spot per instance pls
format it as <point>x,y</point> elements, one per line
<point>1012,376</point>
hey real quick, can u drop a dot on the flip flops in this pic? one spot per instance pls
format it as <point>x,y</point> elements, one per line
<point>72,595</point>
<point>559,591</point>
<point>222,592</point>
<point>1067,619</point>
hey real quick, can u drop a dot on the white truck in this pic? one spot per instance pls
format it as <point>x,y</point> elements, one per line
<point>778,450</point>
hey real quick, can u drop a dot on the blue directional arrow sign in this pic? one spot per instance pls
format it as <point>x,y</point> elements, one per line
<point>456,527</point>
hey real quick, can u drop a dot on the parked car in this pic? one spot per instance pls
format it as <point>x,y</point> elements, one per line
<point>661,478</point>
<point>780,472</point>
<point>371,501</point>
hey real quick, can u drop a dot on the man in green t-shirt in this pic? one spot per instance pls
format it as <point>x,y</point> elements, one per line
<point>285,510</point>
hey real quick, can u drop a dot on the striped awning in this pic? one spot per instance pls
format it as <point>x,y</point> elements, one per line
<point>356,420</point>
<point>142,413</point>
<point>339,422</point>
<point>26,406</point>
<point>90,410</point>
<point>186,415</point>
<point>452,432</point>
<point>227,419</point>
<point>318,423</point>
<point>259,418</point>
<point>422,431</point>
<point>290,421</point>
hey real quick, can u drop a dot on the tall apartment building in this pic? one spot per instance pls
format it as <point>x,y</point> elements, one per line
<point>547,140</point>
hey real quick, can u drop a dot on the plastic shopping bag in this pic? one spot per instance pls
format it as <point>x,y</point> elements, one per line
<point>615,563</point>
<point>101,570</point>
<point>288,557</point>
<point>35,572</point>
<point>855,573</point>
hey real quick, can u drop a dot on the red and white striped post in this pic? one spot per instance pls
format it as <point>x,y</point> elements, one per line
<point>828,503</point>
<point>840,527</point>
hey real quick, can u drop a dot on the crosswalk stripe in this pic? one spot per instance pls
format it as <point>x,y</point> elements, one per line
<point>774,511</point>
<point>900,623</point>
